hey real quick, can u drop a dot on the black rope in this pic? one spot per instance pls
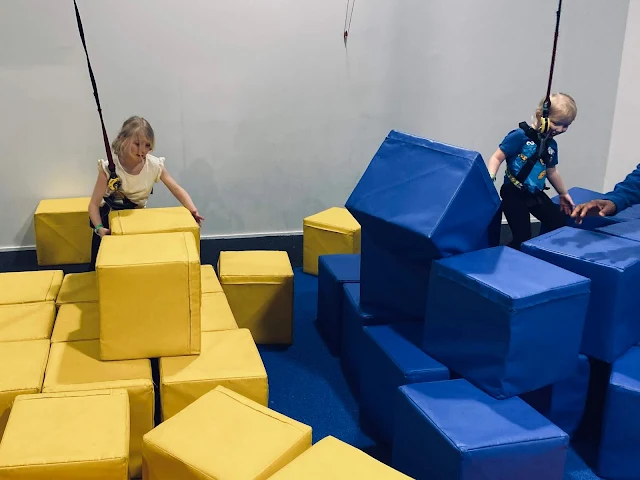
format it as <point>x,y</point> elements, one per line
<point>347,28</point>
<point>547,101</point>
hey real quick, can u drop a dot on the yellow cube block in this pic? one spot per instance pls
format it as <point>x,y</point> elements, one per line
<point>228,358</point>
<point>149,296</point>
<point>30,287</point>
<point>210,281</point>
<point>22,366</point>
<point>63,235</point>
<point>26,321</point>
<point>77,321</point>
<point>67,436</point>
<point>76,366</point>
<point>216,313</point>
<point>337,460</point>
<point>78,288</point>
<point>223,435</point>
<point>259,288</point>
<point>154,220</point>
<point>331,231</point>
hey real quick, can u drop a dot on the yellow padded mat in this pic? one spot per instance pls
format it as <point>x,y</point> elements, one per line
<point>337,460</point>
<point>210,281</point>
<point>76,366</point>
<point>229,358</point>
<point>30,287</point>
<point>223,435</point>
<point>154,220</point>
<point>331,231</point>
<point>259,288</point>
<point>78,288</point>
<point>76,321</point>
<point>62,231</point>
<point>67,436</point>
<point>216,313</point>
<point>26,321</point>
<point>149,296</point>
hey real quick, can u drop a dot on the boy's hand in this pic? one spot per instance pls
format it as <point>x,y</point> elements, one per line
<point>566,204</point>
<point>594,207</point>
<point>197,217</point>
<point>103,231</point>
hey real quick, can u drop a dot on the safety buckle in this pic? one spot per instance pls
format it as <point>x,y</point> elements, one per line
<point>114,182</point>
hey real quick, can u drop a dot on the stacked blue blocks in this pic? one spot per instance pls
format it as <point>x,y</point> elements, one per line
<point>629,230</point>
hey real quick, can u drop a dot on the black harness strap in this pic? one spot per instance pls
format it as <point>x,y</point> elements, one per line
<point>541,151</point>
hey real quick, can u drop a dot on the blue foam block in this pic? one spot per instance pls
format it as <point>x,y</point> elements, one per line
<point>333,272</point>
<point>564,402</point>
<point>619,454</point>
<point>508,322</point>
<point>630,230</point>
<point>423,199</point>
<point>450,430</point>
<point>391,358</point>
<point>583,195</point>
<point>613,265</point>
<point>628,214</point>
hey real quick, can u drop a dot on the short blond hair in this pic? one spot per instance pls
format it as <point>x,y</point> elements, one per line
<point>563,108</point>
<point>133,126</point>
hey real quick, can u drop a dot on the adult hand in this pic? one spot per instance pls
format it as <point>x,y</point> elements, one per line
<point>566,204</point>
<point>197,217</point>
<point>594,207</point>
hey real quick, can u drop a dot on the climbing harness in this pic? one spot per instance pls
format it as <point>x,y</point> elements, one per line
<point>346,15</point>
<point>541,136</point>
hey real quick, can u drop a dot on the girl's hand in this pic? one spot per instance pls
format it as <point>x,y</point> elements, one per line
<point>566,204</point>
<point>103,231</point>
<point>197,217</point>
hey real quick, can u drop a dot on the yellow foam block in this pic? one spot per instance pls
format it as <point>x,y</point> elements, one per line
<point>22,366</point>
<point>67,436</point>
<point>216,313</point>
<point>337,460</point>
<point>331,231</point>
<point>26,321</point>
<point>149,296</point>
<point>259,288</point>
<point>210,281</point>
<point>76,321</point>
<point>78,288</point>
<point>76,366</point>
<point>229,358</point>
<point>222,436</point>
<point>154,220</point>
<point>62,231</point>
<point>30,287</point>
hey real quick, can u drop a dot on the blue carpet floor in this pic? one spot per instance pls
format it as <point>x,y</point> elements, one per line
<point>306,383</point>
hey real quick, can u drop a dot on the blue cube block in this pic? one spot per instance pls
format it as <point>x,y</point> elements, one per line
<point>333,272</point>
<point>423,199</point>
<point>613,265</point>
<point>564,402</point>
<point>619,454</point>
<point>391,357</point>
<point>450,430</point>
<point>629,230</point>
<point>507,322</point>
<point>628,214</point>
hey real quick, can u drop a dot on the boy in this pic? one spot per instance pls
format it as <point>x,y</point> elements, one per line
<point>523,193</point>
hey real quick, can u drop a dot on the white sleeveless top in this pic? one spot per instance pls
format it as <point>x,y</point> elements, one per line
<point>136,188</point>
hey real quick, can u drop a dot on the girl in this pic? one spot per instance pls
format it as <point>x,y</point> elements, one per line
<point>138,170</point>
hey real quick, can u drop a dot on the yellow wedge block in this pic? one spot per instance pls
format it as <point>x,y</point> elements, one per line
<point>63,234</point>
<point>30,287</point>
<point>228,358</point>
<point>149,296</point>
<point>223,436</point>
<point>337,460</point>
<point>77,321</point>
<point>210,281</point>
<point>67,436</point>
<point>76,366</point>
<point>154,220</point>
<point>26,321</point>
<point>22,366</point>
<point>78,288</point>
<point>331,231</point>
<point>216,313</point>
<point>259,288</point>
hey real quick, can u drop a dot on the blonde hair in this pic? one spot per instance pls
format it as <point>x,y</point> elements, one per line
<point>563,109</point>
<point>133,126</point>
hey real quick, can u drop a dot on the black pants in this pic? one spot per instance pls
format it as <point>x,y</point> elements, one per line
<point>96,239</point>
<point>518,204</point>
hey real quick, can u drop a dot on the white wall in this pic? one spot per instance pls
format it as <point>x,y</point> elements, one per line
<point>623,153</point>
<point>262,113</point>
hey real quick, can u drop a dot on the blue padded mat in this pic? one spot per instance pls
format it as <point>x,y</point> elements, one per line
<point>333,272</point>
<point>493,317</point>
<point>423,199</point>
<point>472,436</point>
<point>613,265</point>
<point>391,358</point>
<point>629,230</point>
